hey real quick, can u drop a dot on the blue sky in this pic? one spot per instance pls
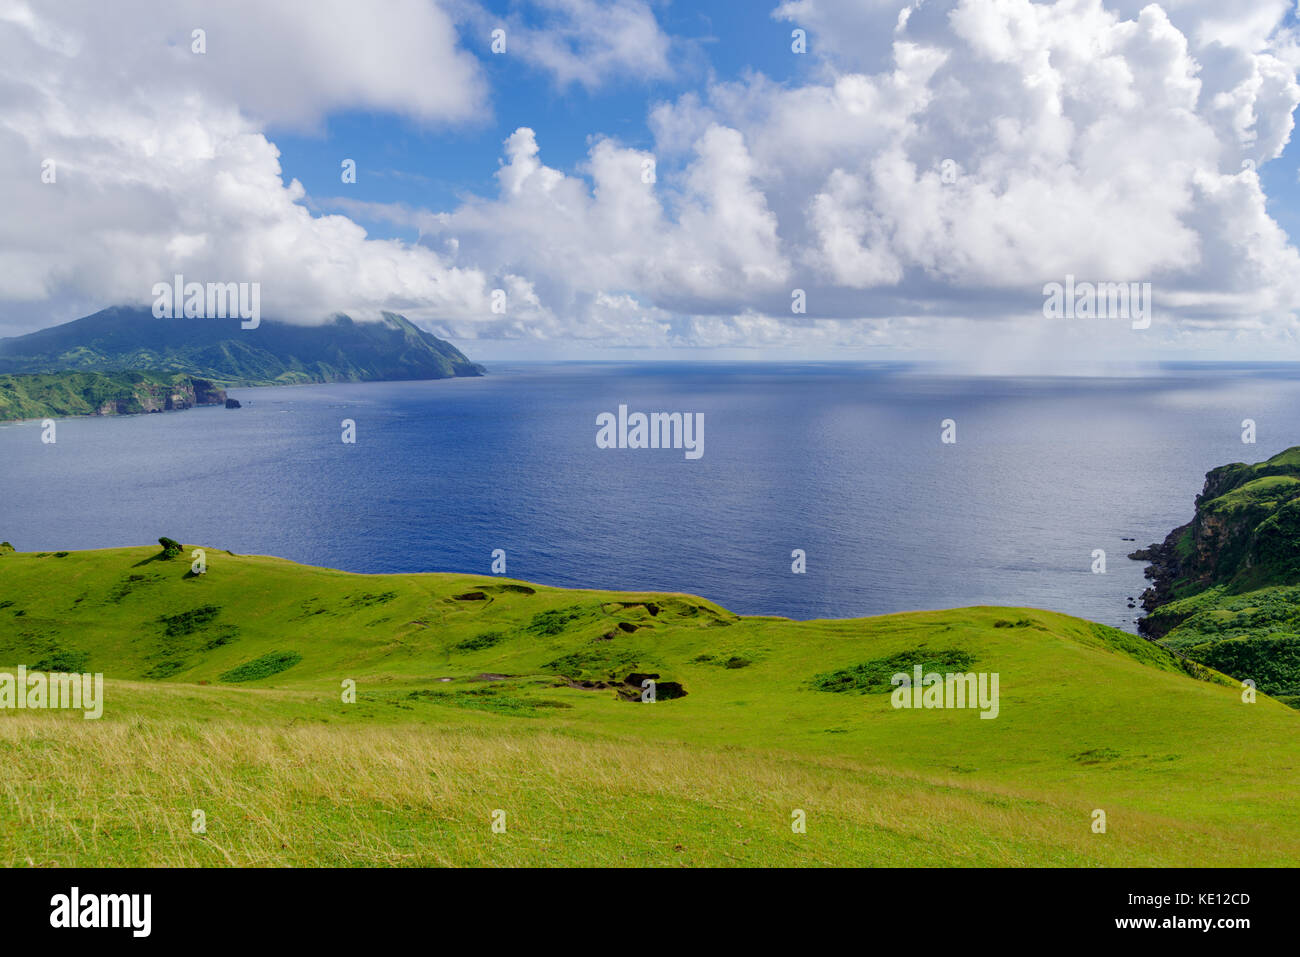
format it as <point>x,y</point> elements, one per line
<point>1281,177</point>
<point>405,161</point>
<point>434,166</point>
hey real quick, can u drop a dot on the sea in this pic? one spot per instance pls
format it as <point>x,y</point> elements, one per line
<point>822,490</point>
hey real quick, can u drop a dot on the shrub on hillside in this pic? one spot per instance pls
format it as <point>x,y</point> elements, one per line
<point>263,667</point>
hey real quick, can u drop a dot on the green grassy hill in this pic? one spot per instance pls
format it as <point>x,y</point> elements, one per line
<point>1226,585</point>
<point>477,694</point>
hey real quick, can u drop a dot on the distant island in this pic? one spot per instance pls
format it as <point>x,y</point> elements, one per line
<point>124,361</point>
<point>1226,586</point>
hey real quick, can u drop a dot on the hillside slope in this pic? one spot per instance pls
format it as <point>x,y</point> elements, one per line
<point>477,694</point>
<point>1226,586</point>
<point>101,393</point>
<point>274,353</point>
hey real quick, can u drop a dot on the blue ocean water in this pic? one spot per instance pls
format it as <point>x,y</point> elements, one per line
<point>843,461</point>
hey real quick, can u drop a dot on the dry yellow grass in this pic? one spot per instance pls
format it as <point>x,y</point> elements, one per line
<point>124,793</point>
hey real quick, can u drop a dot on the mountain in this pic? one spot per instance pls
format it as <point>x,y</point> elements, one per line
<point>41,395</point>
<point>275,353</point>
<point>1226,586</point>
<point>325,718</point>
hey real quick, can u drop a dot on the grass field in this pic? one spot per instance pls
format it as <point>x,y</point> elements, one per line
<point>225,694</point>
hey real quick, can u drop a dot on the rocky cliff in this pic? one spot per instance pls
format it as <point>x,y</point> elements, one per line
<point>1245,534</point>
<point>92,393</point>
<point>1225,587</point>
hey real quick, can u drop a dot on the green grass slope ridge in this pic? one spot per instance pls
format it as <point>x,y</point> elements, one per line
<point>476,694</point>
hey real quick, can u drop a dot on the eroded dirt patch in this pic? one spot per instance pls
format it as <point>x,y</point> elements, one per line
<point>630,688</point>
<point>614,607</point>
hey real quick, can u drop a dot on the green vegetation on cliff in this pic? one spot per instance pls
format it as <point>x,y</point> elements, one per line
<point>228,692</point>
<point>96,393</point>
<point>1226,586</point>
